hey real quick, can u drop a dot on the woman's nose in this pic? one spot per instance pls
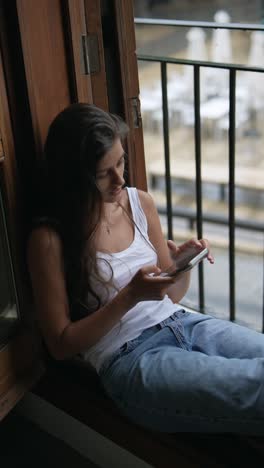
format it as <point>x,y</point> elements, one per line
<point>118,177</point>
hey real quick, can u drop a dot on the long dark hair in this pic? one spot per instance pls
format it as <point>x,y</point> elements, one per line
<point>77,139</point>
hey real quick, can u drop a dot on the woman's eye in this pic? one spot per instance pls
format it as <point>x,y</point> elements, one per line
<point>121,161</point>
<point>101,176</point>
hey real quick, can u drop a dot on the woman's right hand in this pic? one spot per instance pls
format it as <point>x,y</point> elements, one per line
<point>146,285</point>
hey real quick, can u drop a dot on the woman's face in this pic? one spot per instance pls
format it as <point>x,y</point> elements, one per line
<point>109,177</point>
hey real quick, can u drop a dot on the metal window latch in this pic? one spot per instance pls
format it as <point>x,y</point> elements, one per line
<point>90,54</point>
<point>137,118</point>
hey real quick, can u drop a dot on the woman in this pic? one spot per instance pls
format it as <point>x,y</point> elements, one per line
<point>95,260</point>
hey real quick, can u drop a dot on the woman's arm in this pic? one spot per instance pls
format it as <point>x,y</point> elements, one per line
<point>181,250</point>
<point>63,337</point>
<point>167,251</point>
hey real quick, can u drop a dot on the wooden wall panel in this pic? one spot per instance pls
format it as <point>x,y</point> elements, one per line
<point>20,364</point>
<point>75,13</point>
<point>20,368</point>
<point>43,45</point>
<point>129,75</point>
<point>94,27</point>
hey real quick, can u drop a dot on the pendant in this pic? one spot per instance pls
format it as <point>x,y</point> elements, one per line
<point>108,230</point>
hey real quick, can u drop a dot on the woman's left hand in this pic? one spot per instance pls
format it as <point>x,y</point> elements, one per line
<point>199,243</point>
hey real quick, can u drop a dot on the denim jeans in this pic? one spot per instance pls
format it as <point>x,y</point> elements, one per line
<point>190,373</point>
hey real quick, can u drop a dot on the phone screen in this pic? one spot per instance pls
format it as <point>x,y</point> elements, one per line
<point>186,260</point>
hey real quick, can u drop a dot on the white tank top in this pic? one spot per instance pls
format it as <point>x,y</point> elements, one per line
<point>124,265</point>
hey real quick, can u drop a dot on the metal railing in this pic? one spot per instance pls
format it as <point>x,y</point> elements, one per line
<point>199,217</point>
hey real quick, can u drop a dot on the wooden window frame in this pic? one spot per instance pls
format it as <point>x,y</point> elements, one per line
<point>18,370</point>
<point>124,14</point>
<point>48,77</point>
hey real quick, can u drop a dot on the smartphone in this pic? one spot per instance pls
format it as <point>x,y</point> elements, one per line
<point>186,261</point>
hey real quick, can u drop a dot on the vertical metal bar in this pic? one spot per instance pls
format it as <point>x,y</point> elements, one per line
<point>232,138</point>
<point>166,146</point>
<point>198,180</point>
<point>263,295</point>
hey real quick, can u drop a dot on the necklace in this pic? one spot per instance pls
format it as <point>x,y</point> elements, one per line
<point>107,225</point>
<point>108,229</point>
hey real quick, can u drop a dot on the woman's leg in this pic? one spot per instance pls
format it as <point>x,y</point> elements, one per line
<point>172,382</point>
<point>218,337</point>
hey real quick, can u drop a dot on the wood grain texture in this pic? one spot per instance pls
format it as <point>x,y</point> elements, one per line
<point>20,368</point>
<point>77,28</point>
<point>43,45</point>
<point>129,75</point>
<point>94,27</point>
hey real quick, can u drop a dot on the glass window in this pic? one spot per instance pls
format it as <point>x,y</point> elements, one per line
<point>240,11</point>
<point>8,302</point>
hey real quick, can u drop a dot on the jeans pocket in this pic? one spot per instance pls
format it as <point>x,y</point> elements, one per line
<point>128,347</point>
<point>109,362</point>
<point>177,328</point>
<point>120,352</point>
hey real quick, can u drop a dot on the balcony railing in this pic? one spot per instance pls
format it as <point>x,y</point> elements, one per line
<point>197,216</point>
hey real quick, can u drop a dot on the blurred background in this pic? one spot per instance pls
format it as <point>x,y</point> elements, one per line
<point>243,48</point>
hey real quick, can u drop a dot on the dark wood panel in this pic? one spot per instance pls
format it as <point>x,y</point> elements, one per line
<point>94,27</point>
<point>129,75</point>
<point>43,46</point>
<point>1,150</point>
<point>7,147</point>
<point>22,350</point>
<point>9,178</point>
<point>16,358</point>
<point>75,21</point>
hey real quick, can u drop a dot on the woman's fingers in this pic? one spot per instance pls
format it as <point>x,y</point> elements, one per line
<point>152,273</point>
<point>191,243</point>
<point>150,270</point>
<point>205,243</point>
<point>172,246</point>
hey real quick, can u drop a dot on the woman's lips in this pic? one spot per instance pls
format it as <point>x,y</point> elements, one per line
<point>116,191</point>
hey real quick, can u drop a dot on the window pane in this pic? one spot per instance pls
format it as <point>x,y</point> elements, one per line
<point>8,305</point>
<point>240,11</point>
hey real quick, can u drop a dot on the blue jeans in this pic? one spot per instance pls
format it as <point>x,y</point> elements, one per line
<point>190,373</point>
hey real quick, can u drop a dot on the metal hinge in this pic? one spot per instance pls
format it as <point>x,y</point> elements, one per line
<point>137,119</point>
<point>90,54</point>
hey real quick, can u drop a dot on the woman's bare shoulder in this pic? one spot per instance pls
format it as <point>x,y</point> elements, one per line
<point>44,240</point>
<point>146,201</point>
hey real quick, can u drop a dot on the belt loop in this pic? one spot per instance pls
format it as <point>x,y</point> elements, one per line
<point>161,324</point>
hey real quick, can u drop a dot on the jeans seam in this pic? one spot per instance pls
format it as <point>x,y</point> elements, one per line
<point>178,337</point>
